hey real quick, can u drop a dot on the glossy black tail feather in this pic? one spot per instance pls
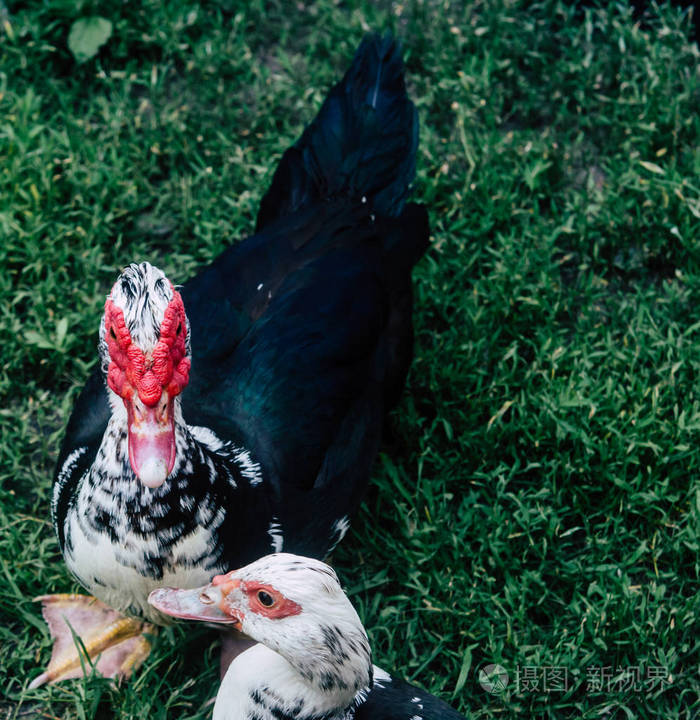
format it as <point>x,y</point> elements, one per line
<point>362,143</point>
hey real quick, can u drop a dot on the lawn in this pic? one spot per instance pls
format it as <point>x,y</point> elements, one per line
<point>536,501</point>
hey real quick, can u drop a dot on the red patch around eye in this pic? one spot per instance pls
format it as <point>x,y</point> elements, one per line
<point>281,607</point>
<point>166,368</point>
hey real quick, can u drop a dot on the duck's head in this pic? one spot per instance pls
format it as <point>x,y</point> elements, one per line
<point>145,353</point>
<point>295,606</point>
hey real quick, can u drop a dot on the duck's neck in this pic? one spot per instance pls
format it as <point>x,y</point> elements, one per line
<point>262,684</point>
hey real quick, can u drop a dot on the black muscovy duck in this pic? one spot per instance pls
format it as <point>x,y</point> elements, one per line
<point>313,659</point>
<point>241,415</point>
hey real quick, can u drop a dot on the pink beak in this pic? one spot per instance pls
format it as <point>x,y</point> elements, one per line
<point>203,603</point>
<point>151,439</point>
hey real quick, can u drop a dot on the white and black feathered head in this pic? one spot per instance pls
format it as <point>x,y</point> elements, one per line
<point>294,606</point>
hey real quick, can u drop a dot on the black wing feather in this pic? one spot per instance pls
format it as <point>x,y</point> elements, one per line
<point>362,142</point>
<point>398,700</point>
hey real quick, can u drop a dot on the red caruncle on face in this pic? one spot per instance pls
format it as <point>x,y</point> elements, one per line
<point>166,367</point>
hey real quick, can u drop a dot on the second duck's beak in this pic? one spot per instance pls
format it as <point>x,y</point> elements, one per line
<point>204,603</point>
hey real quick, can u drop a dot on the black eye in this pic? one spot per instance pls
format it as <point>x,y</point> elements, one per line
<point>112,333</point>
<point>265,598</point>
<point>179,328</point>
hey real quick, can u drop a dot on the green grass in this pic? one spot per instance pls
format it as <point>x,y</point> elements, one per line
<point>536,502</point>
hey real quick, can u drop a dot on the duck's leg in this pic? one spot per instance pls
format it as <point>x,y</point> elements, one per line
<point>113,643</point>
<point>233,643</point>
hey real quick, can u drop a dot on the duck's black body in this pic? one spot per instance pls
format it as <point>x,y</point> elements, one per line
<point>301,339</point>
<point>393,699</point>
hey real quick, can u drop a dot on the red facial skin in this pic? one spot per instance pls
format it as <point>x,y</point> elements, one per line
<point>281,606</point>
<point>147,383</point>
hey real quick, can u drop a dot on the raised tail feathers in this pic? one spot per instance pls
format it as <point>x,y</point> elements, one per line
<point>362,143</point>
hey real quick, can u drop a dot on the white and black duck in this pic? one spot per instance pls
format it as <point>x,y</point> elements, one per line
<point>241,414</point>
<point>313,658</point>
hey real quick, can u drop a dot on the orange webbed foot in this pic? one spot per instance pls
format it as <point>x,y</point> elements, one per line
<point>86,634</point>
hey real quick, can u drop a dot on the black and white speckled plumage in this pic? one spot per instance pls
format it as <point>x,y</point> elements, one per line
<point>122,539</point>
<point>384,698</point>
<point>388,699</point>
<point>300,340</point>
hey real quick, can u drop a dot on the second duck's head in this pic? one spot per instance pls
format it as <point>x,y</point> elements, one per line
<point>296,607</point>
<point>145,354</point>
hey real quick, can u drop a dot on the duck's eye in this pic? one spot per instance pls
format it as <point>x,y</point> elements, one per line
<point>179,328</point>
<point>112,333</point>
<point>265,598</point>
